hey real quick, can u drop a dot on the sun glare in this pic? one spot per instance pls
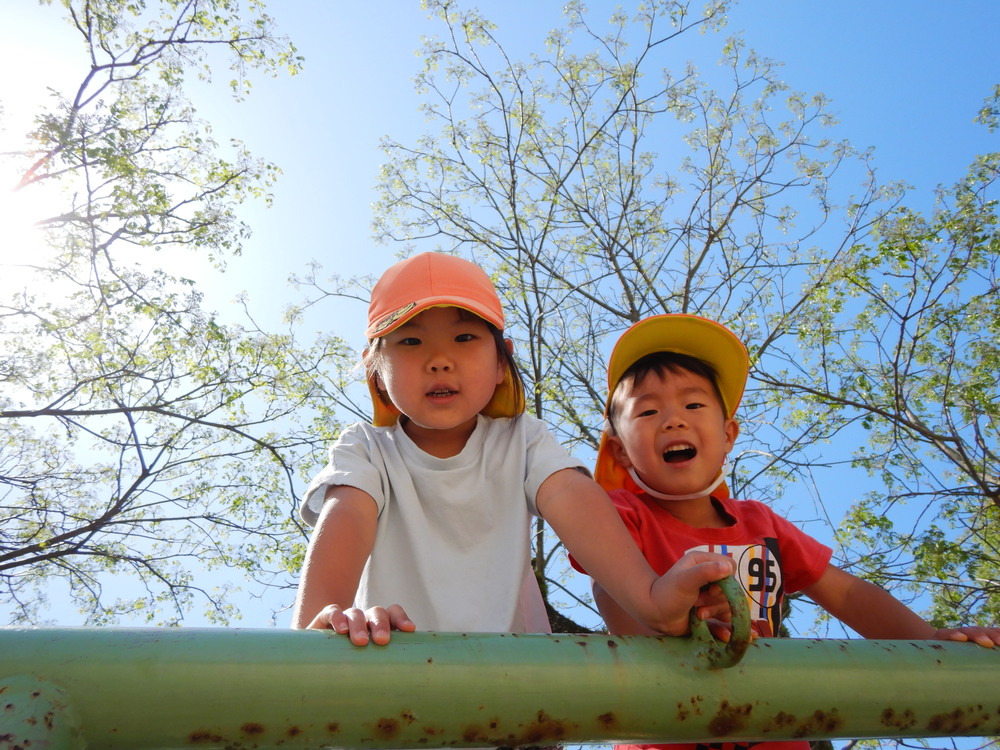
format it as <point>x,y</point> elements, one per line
<point>21,239</point>
<point>22,96</point>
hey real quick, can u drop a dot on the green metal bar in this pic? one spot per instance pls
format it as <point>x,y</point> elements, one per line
<point>159,689</point>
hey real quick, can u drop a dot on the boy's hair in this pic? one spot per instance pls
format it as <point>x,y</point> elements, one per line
<point>659,363</point>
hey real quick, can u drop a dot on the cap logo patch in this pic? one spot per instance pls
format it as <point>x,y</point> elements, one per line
<point>392,317</point>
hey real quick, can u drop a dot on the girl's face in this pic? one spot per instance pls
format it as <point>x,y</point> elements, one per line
<point>440,369</point>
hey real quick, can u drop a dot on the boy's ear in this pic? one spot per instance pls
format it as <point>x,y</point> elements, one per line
<point>618,452</point>
<point>732,430</point>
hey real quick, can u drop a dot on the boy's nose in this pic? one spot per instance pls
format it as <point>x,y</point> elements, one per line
<point>672,420</point>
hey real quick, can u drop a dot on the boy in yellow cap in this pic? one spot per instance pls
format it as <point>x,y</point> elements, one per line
<point>674,383</point>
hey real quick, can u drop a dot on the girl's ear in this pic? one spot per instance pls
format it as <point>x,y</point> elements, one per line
<point>502,363</point>
<point>371,371</point>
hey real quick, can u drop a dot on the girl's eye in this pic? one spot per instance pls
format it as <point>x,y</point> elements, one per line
<point>409,341</point>
<point>463,337</point>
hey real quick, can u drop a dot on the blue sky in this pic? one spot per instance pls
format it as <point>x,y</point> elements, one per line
<point>905,78</point>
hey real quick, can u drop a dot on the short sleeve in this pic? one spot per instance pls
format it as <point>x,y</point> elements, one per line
<point>353,461</point>
<point>544,457</point>
<point>803,558</point>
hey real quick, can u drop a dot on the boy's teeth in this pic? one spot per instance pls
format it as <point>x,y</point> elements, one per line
<point>681,452</point>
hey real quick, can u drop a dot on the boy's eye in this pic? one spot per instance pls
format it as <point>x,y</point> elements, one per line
<point>695,405</point>
<point>647,413</point>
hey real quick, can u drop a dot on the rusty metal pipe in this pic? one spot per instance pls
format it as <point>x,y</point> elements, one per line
<point>137,689</point>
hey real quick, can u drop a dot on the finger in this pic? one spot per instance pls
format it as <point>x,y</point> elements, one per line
<point>985,637</point>
<point>696,575</point>
<point>399,620</point>
<point>330,617</point>
<point>952,634</point>
<point>357,624</point>
<point>711,595</point>
<point>379,625</point>
<point>721,564</point>
<point>715,611</point>
<point>719,630</point>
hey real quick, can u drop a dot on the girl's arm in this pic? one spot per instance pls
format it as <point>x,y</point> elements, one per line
<point>336,556</point>
<point>711,604</point>
<point>617,620</point>
<point>582,514</point>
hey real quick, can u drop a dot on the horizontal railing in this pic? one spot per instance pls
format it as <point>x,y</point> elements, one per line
<point>158,689</point>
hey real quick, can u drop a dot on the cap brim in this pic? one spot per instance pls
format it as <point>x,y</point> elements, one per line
<point>395,320</point>
<point>693,336</point>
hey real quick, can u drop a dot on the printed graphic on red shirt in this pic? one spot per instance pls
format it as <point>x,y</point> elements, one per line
<point>758,569</point>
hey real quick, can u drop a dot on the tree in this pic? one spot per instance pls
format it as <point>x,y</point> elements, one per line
<point>600,183</point>
<point>144,441</point>
<point>904,340</point>
<point>548,177</point>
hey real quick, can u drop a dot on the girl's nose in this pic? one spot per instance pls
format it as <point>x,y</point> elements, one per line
<point>439,362</point>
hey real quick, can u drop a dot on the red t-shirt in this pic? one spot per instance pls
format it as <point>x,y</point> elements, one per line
<point>773,558</point>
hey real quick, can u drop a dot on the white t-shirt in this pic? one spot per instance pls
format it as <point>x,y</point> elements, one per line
<point>453,539</point>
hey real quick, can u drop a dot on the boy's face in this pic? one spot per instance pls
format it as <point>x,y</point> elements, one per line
<point>672,429</point>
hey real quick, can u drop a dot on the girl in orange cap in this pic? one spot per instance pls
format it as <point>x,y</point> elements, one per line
<point>425,513</point>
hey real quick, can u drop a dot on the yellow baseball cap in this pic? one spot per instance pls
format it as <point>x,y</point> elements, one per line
<point>430,280</point>
<point>691,335</point>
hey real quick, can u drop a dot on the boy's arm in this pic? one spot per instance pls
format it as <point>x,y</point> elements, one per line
<point>582,514</point>
<point>868,609</point>
<point>336,556</point>
<point>875,613</point>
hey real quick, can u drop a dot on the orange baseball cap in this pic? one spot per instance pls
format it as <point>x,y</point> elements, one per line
<point>691,335</point>
<point>430,280</point>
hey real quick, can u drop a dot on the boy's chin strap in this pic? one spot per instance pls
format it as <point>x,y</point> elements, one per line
<point>692,496</point>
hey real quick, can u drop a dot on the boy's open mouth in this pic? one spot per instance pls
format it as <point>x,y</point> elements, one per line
<point>678,453</point>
